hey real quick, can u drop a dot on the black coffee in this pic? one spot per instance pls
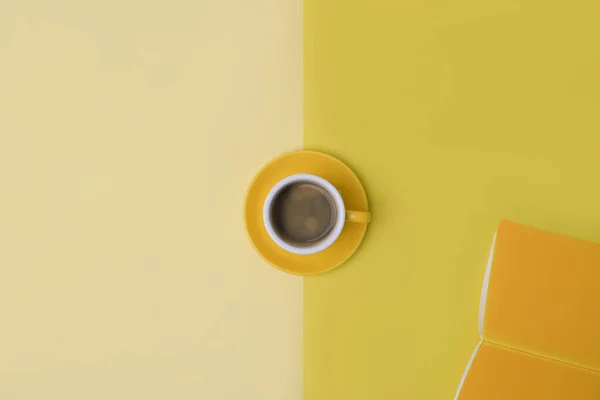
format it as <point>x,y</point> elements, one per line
<point>303,213</point>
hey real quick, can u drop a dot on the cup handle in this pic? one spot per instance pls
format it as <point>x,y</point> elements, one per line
<point>361,217</point>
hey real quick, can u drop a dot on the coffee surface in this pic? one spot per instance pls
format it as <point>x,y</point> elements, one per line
<point>303,213</point>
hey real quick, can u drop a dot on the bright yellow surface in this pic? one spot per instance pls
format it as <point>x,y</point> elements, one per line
<point>306,162</point>
<point>544,295</point>
<point>499,373</point>
<point>455,115</point>
<point>129,131</point>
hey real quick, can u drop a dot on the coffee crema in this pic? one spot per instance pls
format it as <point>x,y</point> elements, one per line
<point>303,213</point>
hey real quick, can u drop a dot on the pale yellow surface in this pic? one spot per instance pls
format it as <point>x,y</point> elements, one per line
<point>129,131</point>
<point>455,115</point>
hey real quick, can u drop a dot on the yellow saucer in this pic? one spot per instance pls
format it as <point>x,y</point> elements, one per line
<point>308,162</point>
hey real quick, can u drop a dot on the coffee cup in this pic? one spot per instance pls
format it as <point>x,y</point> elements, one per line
<point>305,214</point>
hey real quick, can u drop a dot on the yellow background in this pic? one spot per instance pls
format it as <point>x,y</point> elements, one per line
<point>129,131</point>
<point>455,115</point>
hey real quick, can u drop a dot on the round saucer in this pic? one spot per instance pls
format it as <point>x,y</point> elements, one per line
<point>308,162</point>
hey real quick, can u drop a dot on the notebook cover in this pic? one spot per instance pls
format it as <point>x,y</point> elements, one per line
<point>543,295</point>
<point>500,373</point>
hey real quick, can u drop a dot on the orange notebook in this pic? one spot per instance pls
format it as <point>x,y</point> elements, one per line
<point>539,319</point>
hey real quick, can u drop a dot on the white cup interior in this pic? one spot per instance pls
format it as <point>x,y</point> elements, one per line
<point>331,236</point>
